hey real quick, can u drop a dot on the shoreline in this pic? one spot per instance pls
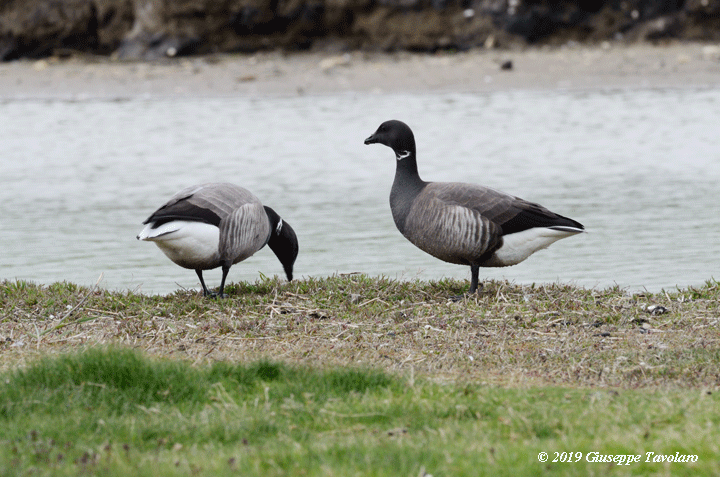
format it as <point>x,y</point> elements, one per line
<point>607,66</point>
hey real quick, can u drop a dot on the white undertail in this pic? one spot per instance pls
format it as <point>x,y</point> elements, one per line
<point>185,242</point>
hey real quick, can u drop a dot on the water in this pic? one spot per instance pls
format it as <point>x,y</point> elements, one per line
<point>639,168</point>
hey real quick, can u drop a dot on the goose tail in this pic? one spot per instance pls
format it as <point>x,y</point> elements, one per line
<point>569,230</point>
<point>150,232</point>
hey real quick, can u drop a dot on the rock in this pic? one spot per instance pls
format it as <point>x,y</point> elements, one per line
<point>334,61</point>
<point>40,65</point>
<point>153,29</point>
<point>537,22</point>
<point>702,7</point>
<point>656,309</point>
<point>35,28</point>
<point>8,48</point>
<point>660,28</point>
<point>145,47</point>
<point>711,52</point>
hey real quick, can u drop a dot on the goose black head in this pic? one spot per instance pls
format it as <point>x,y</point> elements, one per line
<point>283,241</point>
<point>396,135</point>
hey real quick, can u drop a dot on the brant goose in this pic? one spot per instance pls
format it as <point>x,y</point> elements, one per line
<point>218,225</point>
<point>463,223</point>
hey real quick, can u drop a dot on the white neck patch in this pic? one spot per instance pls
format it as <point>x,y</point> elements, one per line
<point>278,228</point>
<point>402,155</point>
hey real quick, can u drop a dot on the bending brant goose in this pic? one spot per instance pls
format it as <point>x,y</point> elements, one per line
<point>218,225</point>
<point>462,223</point>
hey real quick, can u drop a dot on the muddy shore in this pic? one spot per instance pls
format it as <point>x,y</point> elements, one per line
<point>571,67</point>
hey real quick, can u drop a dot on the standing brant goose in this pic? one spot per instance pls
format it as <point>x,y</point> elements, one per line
<point>462,223</point>
<point>218,225</point>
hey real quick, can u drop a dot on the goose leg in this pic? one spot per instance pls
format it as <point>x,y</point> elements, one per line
<point>474,272</point>
<point>225,270</point>
<point>474,283</point>
<point>206,292</point>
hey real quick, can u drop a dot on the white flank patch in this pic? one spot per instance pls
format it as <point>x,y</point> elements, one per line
<point>279,227</point>
<point>520,245</point>
<point>190,244</point>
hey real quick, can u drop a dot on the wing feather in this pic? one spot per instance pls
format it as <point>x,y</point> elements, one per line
<point>511,213</point>
<point>209,203</point>
<point>472,220</point>
<point>244,232</point>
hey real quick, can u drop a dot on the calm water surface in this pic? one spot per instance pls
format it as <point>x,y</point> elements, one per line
<point>640,169</point>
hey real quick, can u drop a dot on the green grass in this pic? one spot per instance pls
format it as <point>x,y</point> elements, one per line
<point>118,412</point>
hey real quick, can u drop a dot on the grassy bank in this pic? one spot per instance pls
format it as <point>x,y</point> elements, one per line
<point>509,334</point>
<point>357,376</point>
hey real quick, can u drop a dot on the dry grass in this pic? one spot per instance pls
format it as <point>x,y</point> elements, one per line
<point>509,334</point>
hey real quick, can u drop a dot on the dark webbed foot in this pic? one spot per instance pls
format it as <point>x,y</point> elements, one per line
<point>221,292</point>
<point>218,295</point>
<point>212,294</point>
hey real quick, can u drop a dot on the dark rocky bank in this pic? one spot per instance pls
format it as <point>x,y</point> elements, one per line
<point>148,29</point>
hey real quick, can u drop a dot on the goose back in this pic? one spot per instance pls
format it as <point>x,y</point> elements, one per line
<point>237,213</point>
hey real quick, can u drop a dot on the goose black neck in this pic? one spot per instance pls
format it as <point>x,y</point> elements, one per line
<point>406,172</point>
<point>282,241</point>
<point>273,218</point>
<point>406,187</point>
